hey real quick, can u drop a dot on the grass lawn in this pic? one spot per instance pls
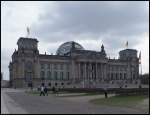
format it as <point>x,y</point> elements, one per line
<point>80,94</point>
<point>73,94</point>
<point>122,101</point>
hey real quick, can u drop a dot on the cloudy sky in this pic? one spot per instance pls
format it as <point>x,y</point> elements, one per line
<point>89,23</point>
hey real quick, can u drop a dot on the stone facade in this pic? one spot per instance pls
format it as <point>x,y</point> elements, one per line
<point>72,66</point>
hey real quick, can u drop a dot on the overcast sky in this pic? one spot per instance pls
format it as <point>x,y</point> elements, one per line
<point>89,23</point>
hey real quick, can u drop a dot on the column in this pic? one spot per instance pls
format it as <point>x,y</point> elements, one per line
<point>83,67</point>
<point>96,71</point>
<point>88,74</point>
<point>90,71</point>
<point>79,71</point>
<point>101,71</point>
<point>85,78</point>
<point>97,74</point>
<point>104,70</point>
<point>23,72</point>
<point>85,72</point>
<point>105,73</point>
<point>76,72</point>
<point>72,71</point>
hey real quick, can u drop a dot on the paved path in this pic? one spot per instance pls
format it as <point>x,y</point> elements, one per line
<point>4,109</point>
<point>34,104</point>
<point>8,105</point>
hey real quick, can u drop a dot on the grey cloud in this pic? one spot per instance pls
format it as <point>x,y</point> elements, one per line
<point>71,20</point>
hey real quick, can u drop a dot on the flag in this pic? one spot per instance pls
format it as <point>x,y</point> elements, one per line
<point>28,31</point>
<point>127,44</point>
<point>140,57</point>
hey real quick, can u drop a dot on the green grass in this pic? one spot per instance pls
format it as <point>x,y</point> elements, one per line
<point>84,94</point>
<point>123,101</point>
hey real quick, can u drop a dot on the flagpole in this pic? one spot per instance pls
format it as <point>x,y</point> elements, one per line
<point>28,32</point>
<point>141,68</point>
<point>140,65</point>
<point>126,45</point>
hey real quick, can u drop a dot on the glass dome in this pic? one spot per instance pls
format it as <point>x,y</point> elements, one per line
<point>66,47</point>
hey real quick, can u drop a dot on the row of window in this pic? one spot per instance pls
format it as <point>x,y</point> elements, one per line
<point>118,68</point>
<point>55,84</point>
<point>55,75</point>
<point>55,66</point>
<point>116,76</point>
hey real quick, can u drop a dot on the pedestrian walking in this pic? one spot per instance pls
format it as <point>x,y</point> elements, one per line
<point>105,94</point>
<point>105,91</point>
<point>46,90</point>
<point>42,91</point>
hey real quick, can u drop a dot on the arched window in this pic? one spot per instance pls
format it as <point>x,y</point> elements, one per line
<point>48,66</point>
<point>125,76</point>
<point>61,66</point>
<point>134,76</point>
<point>121,76</point>
<point>56,84</point>
<point>55,76</point>
<point>55,66</point>
<point>49,84</point>
<point>67,75</point>
<point>116,76</point>
<point>42,66</point>
<point>28,66</point>
<point>49,75</point>
<point>28,71</point>
<point>61,75</point>
<point>112,76</point>
<point>42,74</point>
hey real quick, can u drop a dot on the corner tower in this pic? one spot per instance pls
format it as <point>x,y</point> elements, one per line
<point>27,45</point>
<point>24,66</point>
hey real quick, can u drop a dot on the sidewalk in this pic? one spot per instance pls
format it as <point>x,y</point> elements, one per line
<point>4,109</point>
<point>8,105</point>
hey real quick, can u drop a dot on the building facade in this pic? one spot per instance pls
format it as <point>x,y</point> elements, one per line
<point>71,66</point>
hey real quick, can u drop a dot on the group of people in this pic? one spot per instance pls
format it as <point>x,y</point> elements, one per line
<point>43,90</point>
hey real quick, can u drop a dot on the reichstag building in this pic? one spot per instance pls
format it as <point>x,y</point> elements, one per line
<point>71,67</point>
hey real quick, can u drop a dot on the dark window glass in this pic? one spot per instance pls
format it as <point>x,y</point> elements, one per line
<point>49,75</point>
